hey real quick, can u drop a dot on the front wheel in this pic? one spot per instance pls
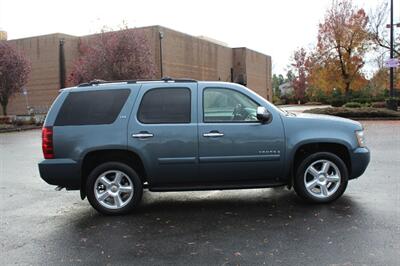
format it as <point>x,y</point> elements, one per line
<point>114,188</point>
<point>321,177</point>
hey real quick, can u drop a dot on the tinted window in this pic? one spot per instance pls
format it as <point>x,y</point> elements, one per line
<point>92,107</point>
<point>165,106</point>
<point>227,105</point>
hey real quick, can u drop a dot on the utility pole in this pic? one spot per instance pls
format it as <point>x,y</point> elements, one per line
<point>391,49</point>
<point>161,34</point>
<point>392,101</point>
<point>61,63</point>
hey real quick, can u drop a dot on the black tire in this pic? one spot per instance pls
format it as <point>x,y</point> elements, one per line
<point>129,176</point>
<point>300,179</point>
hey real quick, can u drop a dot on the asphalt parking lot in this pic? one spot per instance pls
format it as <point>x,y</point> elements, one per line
<point>41,226</point>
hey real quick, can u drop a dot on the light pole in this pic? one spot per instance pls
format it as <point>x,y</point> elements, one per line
<point>25,93</point>
<point>161,34</point>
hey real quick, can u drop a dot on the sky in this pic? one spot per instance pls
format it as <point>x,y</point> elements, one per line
<point>276,28</point>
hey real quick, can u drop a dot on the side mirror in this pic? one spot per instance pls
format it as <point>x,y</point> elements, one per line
<point>263,115</point>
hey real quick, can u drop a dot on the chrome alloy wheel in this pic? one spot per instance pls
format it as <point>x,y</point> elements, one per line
<point>113,189</point>
<point>322,178</point>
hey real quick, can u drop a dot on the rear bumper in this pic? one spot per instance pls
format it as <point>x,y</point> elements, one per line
<point>360,158</point>
<point>61,172</point>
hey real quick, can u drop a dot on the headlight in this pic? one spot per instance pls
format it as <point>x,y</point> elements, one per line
<point>360,138</point>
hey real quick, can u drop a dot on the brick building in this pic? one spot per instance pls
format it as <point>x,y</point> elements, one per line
<point>183,56</point>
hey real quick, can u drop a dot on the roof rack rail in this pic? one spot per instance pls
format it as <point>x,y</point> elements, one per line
<point>165,79</point>
<point>93,82</point>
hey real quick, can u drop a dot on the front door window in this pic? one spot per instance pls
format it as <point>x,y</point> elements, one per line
<point>228,106</point>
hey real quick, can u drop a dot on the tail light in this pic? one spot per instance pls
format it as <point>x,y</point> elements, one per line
<point>47,142</point>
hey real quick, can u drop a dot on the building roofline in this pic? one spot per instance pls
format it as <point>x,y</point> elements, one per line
<point>197,37</point>
<point>45,35</point>
<point>191,36</point>
<point>251,50</point>
<point>159,27</point>
<point>134,28</point>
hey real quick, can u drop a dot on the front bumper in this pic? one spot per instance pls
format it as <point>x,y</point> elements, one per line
<point>61,172</point>
<point>360,158</point>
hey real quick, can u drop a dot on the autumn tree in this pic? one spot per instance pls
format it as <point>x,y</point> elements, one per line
<point>342,43</point>
<point>115,55</point>
<point>299,67</point>
<point>14,72</point>
<point>379,81</point>
<point>322,74</point>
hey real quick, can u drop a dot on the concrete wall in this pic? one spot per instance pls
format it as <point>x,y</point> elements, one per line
<point>43,85</point>
<point>258,79</point>
<point>183,56</point>
<point>253,70</point>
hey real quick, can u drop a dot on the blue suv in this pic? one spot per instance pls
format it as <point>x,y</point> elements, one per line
<point>110,140</point>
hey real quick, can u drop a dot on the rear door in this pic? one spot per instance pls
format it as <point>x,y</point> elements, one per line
<point>163,131</point>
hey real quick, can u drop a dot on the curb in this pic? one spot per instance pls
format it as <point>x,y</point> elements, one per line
<point>8,130</point>
<point>374,118</point>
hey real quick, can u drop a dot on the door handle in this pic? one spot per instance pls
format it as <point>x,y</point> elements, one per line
<point>213,134</point>
<point>142,135</point>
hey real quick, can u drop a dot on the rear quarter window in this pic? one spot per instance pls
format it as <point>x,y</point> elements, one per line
<point>91,107</point>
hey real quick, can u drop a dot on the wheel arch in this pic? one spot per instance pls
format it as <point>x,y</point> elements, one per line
<point>304,149</point>
<point>96,157</point>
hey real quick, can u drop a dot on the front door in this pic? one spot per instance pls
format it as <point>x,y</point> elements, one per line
<point>163,131</point>
<point>233,144</point>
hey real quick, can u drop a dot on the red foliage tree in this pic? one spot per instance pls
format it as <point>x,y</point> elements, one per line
<point>14,72</point>
<point>116,55</point>
<point>299,67</point>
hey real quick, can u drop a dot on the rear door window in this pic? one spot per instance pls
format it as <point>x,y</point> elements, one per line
<point>91,107</point>
<point>165,106</point>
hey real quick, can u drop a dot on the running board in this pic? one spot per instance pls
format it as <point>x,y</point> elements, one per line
<point>215,186</point>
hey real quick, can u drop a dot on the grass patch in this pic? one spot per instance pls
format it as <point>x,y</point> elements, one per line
<point>313,103</point>
<point>364,112</point>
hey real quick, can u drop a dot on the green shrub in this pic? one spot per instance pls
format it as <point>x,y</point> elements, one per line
<point>393,99</point>
<point>276,100</point>
<point>362,100</point>
<point>378,98</point>
<point>392,103</point>
<point>337,101</point>
<point>352,105</point>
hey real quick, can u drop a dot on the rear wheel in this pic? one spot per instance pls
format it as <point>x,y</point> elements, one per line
<point>321,177</point>
<point>114,188</point>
